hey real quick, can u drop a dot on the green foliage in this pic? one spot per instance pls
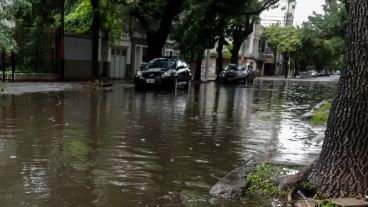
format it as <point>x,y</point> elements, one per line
<point>327,204</point>
<point>195,33</point>
<point>226,54</point>
<point>323,38</point>
<point>283,39</point>
<point>2,86</point>
<point>321,116</point>
<point>79,17</point>
<point>260,180</point>
<point>8,12</point>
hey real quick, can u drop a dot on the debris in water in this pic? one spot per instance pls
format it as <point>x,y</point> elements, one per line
<point>13,157</point>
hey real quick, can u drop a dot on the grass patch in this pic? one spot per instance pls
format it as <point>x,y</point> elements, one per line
<point>261,181</point>
<point>2,86</point>
<point>320,116</point>
<point>327,204</point>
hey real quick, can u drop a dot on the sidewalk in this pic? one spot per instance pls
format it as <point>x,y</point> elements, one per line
<point>17,88</point>
<point>316,79</point>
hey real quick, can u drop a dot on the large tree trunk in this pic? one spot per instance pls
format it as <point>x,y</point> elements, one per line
<point>155,43</point>
<point>219,59</point>
<point>61,35</point>
<point>198,68</point>
<point>3,64</point>
<point>238,39</point>
<point>239,35</point>
<point>285,64</point>
<point>341,169</point>
<point>156,39</point>
<point>95,37</point>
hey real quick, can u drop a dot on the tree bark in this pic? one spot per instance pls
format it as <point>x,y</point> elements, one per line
<point>156,39</point>
<point>13,65</point>
<point>198,68</point>
<point>341,169</point>
<point>238,39</point>
<point>61,35</point>
<point>95,37</point>
<point>239,35</point>
<point>285,64</point>
<point>3,64</point>
<point>219,59</point>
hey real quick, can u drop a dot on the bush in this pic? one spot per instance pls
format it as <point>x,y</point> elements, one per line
<point>320,116</point>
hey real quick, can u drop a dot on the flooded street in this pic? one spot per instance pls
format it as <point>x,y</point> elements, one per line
<point>98,147</point>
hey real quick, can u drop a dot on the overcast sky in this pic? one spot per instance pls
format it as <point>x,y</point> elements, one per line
<point>304,8</point>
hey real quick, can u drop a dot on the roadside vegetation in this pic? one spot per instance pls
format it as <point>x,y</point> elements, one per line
<point>267,180</point>
<point>320,116</point>
<point>2,87</point>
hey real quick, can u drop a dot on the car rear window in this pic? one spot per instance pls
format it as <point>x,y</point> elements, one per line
<point>162,63</point>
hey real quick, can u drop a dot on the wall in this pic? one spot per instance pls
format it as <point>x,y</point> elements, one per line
<point>78,56</point>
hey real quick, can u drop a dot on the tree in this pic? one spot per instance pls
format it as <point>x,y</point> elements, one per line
<point>284,40</point>
<point>242,25</point>
<point>93,16</point>
<point>8,12</point>
<point>157,17</point>
<point>342,165</point>
<point>95,30</point>
<point>323,38</point>
<point>204,23</point>
<point>79,16</point>
<point>195,33</point>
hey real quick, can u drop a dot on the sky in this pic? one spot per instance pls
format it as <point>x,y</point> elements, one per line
<point>304,8</point>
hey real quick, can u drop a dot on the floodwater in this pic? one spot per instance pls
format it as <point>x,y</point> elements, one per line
<point>98,147</point>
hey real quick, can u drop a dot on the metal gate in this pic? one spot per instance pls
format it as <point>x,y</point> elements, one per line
<point>118,63</point>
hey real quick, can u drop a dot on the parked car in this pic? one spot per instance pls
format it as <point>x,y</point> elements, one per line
<point>323,73</point>
<point>313,73</point>
<point>237,73</point>
<point>166,72</point>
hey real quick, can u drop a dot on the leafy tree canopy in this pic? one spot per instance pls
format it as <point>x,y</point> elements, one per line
<point>283,39</point>
<point>333,22</point>
<point>8,12</point>
<point>79,17</point>
<point>323,37</point>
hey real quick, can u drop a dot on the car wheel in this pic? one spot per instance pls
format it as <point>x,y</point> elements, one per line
<point>137,86</point>
<point>187,85</point>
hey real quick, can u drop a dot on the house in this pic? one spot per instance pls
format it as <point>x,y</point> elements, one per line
<point>253,51</point>
<point>117,60</point>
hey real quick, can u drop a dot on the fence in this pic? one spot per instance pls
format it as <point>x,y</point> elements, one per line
<point>36,54</point>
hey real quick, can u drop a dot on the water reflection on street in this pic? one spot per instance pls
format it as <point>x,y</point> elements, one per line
<point>121,147</point>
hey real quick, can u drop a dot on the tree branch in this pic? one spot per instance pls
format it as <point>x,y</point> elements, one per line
<point>266,4</point>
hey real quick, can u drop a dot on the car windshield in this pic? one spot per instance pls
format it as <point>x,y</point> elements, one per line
<point>235,67</point>
<point>161,63</point>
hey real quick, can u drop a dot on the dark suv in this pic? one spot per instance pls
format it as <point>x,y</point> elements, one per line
<point>166,72</point>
